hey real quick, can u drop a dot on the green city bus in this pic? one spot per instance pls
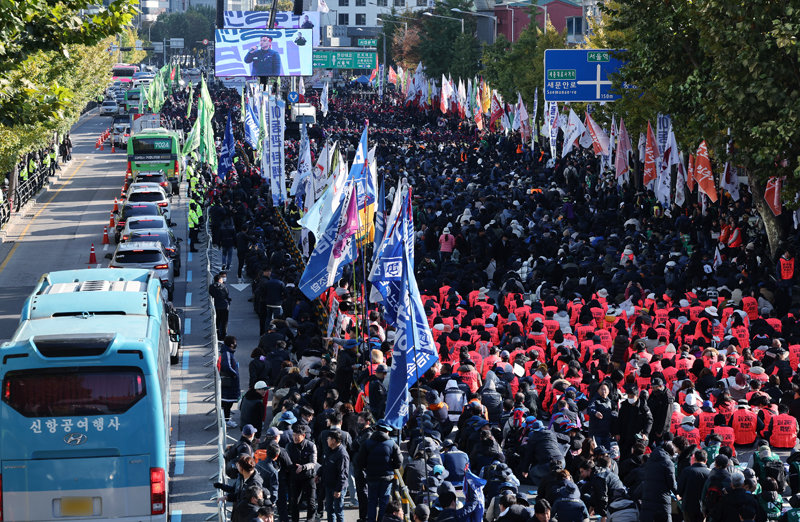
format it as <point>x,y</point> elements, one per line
<point>153,150</point>
<point>132,100</point>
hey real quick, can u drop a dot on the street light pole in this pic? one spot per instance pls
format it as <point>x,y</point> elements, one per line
<point>446,18</point>
<point>544,8</point>
<point>492,18</point>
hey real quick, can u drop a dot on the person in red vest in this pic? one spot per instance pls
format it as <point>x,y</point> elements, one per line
<point>785,272</point>
<point>745,424</point>
<point>724,431</point>
<point>783,429</point>
<point>706,419</point>
<point>688,430</point>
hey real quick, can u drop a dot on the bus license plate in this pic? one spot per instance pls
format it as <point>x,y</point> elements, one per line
<point>77,506</point>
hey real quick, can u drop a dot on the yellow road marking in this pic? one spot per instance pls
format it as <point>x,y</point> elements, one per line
<point>25,230</point>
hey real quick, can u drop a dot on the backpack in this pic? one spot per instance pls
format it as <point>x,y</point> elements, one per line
<point>231,455</point>
<point>712,450</point>
<point>773,468</point>
<point>711,500</point>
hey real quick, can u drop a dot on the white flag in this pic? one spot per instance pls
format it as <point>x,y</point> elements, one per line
<point>730,177</point>
<point>323,101</point>
<point>322,6</point>
<point>572,132</point>
<point>623,149</point>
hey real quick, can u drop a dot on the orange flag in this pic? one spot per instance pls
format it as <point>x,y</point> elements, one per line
<point>690,176</point>
<point>703,174</point>
<point>772,194</point>
<point>392,76</point>
<point>649,157</point>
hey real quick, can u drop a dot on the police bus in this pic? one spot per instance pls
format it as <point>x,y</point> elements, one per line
<point>85,410</point>
<point>155,149</point>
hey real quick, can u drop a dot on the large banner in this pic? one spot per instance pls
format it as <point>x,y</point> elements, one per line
<point>283,20</point>
<point>263,52</point>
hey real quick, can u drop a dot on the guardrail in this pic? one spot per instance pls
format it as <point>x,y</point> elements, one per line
<point>25,191</point>
<point>219,422</point>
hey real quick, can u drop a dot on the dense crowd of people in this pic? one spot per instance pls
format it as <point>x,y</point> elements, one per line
<point>617,358</point>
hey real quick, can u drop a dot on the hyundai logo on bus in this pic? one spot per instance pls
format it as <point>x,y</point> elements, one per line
<point>75,439</point>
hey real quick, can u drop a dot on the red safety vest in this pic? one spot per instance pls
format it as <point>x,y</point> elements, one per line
<point>706,423</point>
<point>744,426</point>
<point>750,305</point>
<point>784,431</point>
<point>727,434</point>
<point>787,268</point>
<point>691,436</point>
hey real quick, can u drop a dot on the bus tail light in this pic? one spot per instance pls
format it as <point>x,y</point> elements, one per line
<point>177,168</point>
<point>158,491</point>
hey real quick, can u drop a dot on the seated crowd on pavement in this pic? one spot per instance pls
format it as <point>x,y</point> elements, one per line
<point>599,355</point>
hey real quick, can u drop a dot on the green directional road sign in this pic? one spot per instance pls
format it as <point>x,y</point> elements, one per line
<point>367,42</point>
<point>345,59</point>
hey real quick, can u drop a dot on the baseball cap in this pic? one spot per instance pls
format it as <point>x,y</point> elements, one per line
<point>384,426</point>
<point>657,381</point>
<point>248,430</point>
<point>381,368</point>
<point>273,432</point>
<point>260,385</point>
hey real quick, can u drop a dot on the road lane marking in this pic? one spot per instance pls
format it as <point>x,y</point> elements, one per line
<point>105,247</point>
<point>35,216</point>
<point>189,257</point>
<point>180,448</point>
<point>184,397</point>
<point>176,516</point>
<point>188,299</point>
<point>187,329</point>
<point>186,357</point>
<point>188,276</point>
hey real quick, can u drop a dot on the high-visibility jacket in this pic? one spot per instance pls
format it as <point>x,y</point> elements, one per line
<point>744,423</point>
<point>787,268</point>
<point>692,436</point>
<point>727,435</point>
<point>784,431</point>
<point>193,218</point>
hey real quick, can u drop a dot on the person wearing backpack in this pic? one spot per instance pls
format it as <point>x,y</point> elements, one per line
<point>244,446</point>
<point>719,479</point>
<point>770,499</point>
<point>768,465</point>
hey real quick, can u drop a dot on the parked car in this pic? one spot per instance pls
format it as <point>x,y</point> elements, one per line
<point>130,210</point>
<point>140,192</point>
<point>146,254</point>
<point>171,244</point>
<point>142,223</point>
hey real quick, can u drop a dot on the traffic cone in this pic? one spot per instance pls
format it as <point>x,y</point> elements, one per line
<point>111,221</point>
<point>112,147</point>
<point>116,205</point>
<point>103,145</point>
<point>105,235</point>
<point>92,256</point>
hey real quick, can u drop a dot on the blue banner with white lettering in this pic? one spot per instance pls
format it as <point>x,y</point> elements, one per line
<point>474,501</point>
<point>414,350</point>
<point>250,126</point>
<point>227,151</point>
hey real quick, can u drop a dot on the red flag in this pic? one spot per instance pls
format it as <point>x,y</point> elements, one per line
<point>690,175</point>
<point>373,75</point>
<point>650,173</point>
<point>392,75</point>
<point>497,111</point>
<point>703,174</point>
<point>772,195</point>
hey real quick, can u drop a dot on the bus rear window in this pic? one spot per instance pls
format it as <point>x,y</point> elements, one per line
<point>67,392</point>
<point>151,145</point>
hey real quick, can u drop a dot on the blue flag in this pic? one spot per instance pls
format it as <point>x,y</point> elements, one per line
<point>474,504</point>
<point>414,350</point>
<point>227,151</point>
<point>251,126</point>
<point>334,249</point>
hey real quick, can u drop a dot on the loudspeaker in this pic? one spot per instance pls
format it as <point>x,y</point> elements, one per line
<point>220,14</point>
<point>297,10</point>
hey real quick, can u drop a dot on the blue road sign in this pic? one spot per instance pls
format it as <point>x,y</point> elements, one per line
<point>579,75</point>
<point>293,97</point>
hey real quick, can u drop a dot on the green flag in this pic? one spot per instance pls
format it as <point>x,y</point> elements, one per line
<point>205,114</point>
<point>191,99</point>
<point>193,139</point>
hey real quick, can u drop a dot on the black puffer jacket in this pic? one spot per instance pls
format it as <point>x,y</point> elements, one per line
<point>658,483</point>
